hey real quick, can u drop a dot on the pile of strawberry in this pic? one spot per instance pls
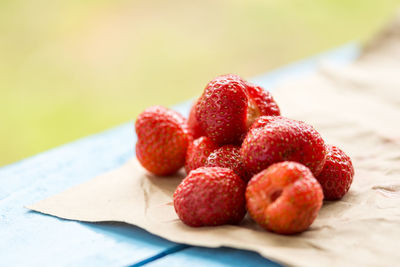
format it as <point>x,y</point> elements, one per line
<point>241,156</point>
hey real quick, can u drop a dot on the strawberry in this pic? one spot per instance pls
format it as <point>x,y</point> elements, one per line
<point>275,139</point>
<point>228,107</point>
<point>228,156</point>
<point>222,109</point>
<point>210,196</point>
<point>163,138</point>
<point>284,198</point>
<point>264,120</point>
<point>337,175</point>
<point>262,100</point>
<point>194,124</point>
<point>198,152</point>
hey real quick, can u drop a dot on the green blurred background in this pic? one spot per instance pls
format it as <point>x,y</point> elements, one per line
<point>72,68</point>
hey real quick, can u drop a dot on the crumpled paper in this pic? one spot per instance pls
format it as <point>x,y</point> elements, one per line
<point>356,107</point>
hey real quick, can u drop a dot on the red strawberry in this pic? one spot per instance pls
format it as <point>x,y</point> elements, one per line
<point>229,157</point>
<point>228,107</point>
<point>163,138</point>
<point>194,124</point>
<point>264,120</point>
<point>337,175</point>
<point>263,102</point>
<point>285,198</point>
<point>282,139</point>
<point>222,109</point>
<point>209,197</point>
<point>198,152</point>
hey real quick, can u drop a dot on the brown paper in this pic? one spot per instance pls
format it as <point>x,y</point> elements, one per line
<point>356,107</point>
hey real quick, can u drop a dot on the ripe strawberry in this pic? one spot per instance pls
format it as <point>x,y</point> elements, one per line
<point>198,152</point>
<point>222,109</point>
<point>337,175</point>
<point>163,138</point>
<point>210,196</point>
<point>228,156</point>
<point>281,139</point>
<point>285,198</point>
<point>264,120</point>
<point>194,124</point>
<point>263,100</point>
<point>228,107</point>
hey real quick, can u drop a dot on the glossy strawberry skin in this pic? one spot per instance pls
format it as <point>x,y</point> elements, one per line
<point>163,137</point>
<point>222,109</point>
<point>228,156</point>
<point>210,197</point>
<point>276,139</point>
<point>194,124</point>
<point>263,100</point>
<point>264,120</point>
<point>198,152</point>
<point>228,108</point>
<point>337,175</point>
<point>285,198</point>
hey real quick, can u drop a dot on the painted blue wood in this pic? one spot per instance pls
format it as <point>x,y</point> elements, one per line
<point>199,257</point>
<point>33,239</point>
<point>163,254</point>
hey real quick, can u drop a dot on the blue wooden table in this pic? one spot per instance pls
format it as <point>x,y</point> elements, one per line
<point>32,239</point>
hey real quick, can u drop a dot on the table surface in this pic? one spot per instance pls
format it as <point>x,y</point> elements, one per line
<point>33,239</point>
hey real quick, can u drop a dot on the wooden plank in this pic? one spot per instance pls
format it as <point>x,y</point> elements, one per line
<point>198,257</point>
<point>30,238</point>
